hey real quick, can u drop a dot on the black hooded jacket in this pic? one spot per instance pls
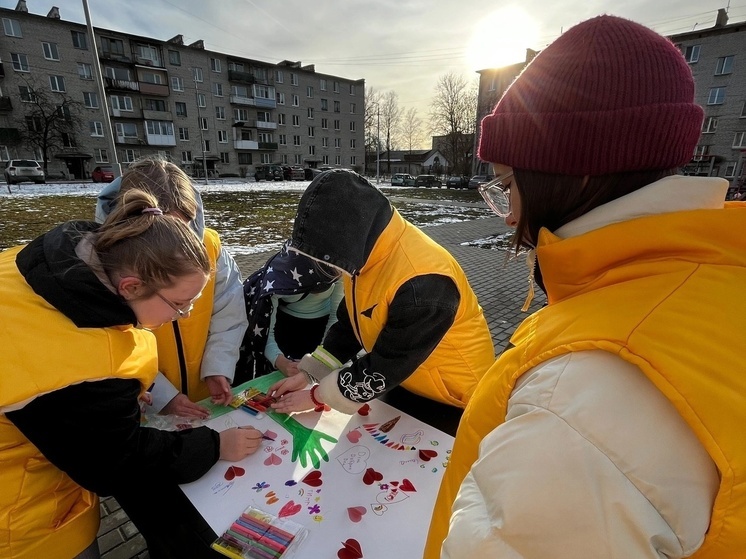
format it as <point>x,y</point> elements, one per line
<point>340,217</point>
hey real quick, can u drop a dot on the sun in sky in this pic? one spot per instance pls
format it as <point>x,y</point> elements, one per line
<point>501,38</point>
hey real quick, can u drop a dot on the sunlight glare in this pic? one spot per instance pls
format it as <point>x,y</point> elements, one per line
<point>501,38</point>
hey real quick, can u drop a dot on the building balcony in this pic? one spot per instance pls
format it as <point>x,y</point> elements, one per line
<point>6,104</point>
<point>107,55</point>
<point>241,77</point>
<point>244,123</point>
<point>157,89</point>
<point>245,144</point>
<point>130,140</point>
<point>148,62</point>
<point>118,113</point>
<point>236,100</point>
<point>160,139</point>
<point>120,85</point>
<point>265,103</point>
<point>157,115</point>
<point>266,125</point>
<point>268,145</point>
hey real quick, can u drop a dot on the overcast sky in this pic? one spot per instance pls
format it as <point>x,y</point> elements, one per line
<point>400,45</point>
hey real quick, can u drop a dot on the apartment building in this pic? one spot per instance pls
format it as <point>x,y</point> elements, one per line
<point>207,111</point>
<point>717,57</point>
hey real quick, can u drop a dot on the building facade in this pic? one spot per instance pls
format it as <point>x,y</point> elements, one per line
<point>206,111</point>
<point>717,57</point>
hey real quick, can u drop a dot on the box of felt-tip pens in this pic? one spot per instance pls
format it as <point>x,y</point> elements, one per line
<point>257,534</point>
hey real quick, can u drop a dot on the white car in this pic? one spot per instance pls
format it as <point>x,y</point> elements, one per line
<point>402,179</point>
<point>20,170</point>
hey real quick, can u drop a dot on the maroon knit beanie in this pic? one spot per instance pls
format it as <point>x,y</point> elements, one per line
<point>609,95</point>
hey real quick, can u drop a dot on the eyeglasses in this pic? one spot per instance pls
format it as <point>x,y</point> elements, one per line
<point>497,195</point>
<point>180,312</point>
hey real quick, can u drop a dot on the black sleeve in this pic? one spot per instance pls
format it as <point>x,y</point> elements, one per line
<point>420,314</point>
<point>341,340</point>
<point>92,432</point>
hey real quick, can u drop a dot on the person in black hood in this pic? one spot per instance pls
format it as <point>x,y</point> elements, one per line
<point>407,305</point>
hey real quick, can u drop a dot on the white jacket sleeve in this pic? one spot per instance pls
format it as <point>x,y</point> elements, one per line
<point>592,461</point>
<point>228,323</point>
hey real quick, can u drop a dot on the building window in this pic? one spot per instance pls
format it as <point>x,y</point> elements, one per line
<point>217,89</point>
<point>281,119</point>
<point>85,71</point>
<point>352,126</point>
<point>57,83</point>
<point>293,78</point>
<point>337,143</point>
<point>283,140</point>
<point>117,73</point>
<point>325,160</point>
<point>337,159</point>
<point>96,127</point>
<point>80,40</point>
<point>692,54</point>
<point>174,57</point>
<point>311,131</point>
<point>311,150</point>
<point>710,125</point>
<point>90,99</point>
<point>181,108</point>
<point>353,143</point>
<point>12,28</point>
<point>743,110</point>
<point>159,127</point>
<point>716,96</point>
<point>101,155</point>
<point>27,94</point>
<point>203,123</point>
<point>352,89</point>
<point>324,105</point>
<point>224,157</point>
<point>353,107</point>
<point>296,101</point>
<point>325,124</point>
<point>241,115</point>
<point>149,54</point>
<point>296,140</point>
<point>296,120</point>
<point>113,47</point>
<point>244,158</point>
<point>120,103</point>
<point>353,160</point>
<point>325,142</point>
<point>730,170</point>
<point>201,100</point>
<point>215,65</point>
<point>322,84</point>
<point>20,62</point>
<point>336,106</point>
<point>278,76</point>
<point>310,112</point>
<point>33,124</point>
<point>155,105</point>
<point>280,98</point>
<point>125,130</point>
<point>197,73</point>
<point>50,51</point>
<point>184,134</point>
<point>186,157</point>
<point>309,91</point>
<point>152,77</point>
<point>298,159</point>
<point>222,137</point>
<point>700,152</point>
<point>336,125</point>
<point>177,84</point>
<point>336,87</point>
<point>724,65</point>
<point>739,140</point>
<point>220,113</point>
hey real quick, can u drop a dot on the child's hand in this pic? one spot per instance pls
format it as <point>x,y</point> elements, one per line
<point>220,389</point>
<point>290,384</point>
<point>182,406</point>
<point>294,401</point>
<point>288,367</point>
<point>239,442</point>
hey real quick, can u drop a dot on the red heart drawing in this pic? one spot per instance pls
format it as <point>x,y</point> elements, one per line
<point>356,513</point>
<point>351,550</point>
<point>426,455</point>
<point>364,410</point>
<point>270,435</point>
<point>406,485</point>
<point>371,476</point>
<point>313,478</point>
<point>234,471</point>
<point>289,509</point>
<point>273,460</point>
<point>354,436</point>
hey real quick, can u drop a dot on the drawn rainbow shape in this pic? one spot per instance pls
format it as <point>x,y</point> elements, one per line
<point>372,429</point>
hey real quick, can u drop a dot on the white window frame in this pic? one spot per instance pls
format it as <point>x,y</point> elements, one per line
<point>730,169</point>
<point>296,101</point>
<point>215,65</point>
<point>309,91</point>
<point>724,65</point>
<point>691,53</point>
<point>293,78</point>
<point>310,113</point>
<point>710,125</point>
<point>19,62</point>
<point>281,119</point>
<point>279,78</point>
<point>177,83</point>
<point>80,38</point>
<point>50,50</point>
<point>296,120</point>
<point>217,89</point>
<point>222,137</point>
<point>186,157</point>
<point>204,123</point>
<point>101,155</point>
<point>280,98</point>
<point>197,74</point>
<point>219,113</point>
<point>178,105</point>
<point>121,103</point>
<point>12,27</point>
<point>183,134</point>
<point>311,132</point>
<point>739,140</point>
<point>90,100</point>
<point>352,126</point>
<point>312,150</point>
<point>201,100</point>
<point>85,71</point>
<point>57,84</point>
<point>716,96</point>
<point>322,84</point>
<point>298,159</point>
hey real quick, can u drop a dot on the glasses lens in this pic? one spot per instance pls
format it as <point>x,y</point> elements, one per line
<point>496,196</point>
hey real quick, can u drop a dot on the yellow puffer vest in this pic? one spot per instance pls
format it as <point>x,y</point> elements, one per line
<point>659,293</point>
<point>452,370</point>
<point>187,338</point>
<point>44,513</point>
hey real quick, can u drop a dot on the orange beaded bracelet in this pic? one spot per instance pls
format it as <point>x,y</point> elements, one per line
<point>320,406</point>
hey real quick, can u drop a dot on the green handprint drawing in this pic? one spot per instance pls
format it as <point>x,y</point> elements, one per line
<point>306,442</point>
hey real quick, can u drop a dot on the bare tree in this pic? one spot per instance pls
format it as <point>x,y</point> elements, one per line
<point>453,114</point>
<point>411,131</point>
<point>51,120</point>
<point>390,117</point>
<point>372,139</point>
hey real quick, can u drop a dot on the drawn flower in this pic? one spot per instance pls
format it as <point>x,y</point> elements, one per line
<point>314,509</point>
<point>260,486</point>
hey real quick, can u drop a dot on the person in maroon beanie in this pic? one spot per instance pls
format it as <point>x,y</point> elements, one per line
<point>612,426</point>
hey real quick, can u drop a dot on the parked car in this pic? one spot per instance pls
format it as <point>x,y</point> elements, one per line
<point>102,174</point>
<point>455,181</point>
<point>268,173</point>
<point>402,179</point>
<point>476,180</point>
<point>311,173</point>
<point>427,181</point>
<point>297,174</point>
<point>20,170</point>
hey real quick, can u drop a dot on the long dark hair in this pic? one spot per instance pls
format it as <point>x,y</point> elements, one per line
<point>551,200</point>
